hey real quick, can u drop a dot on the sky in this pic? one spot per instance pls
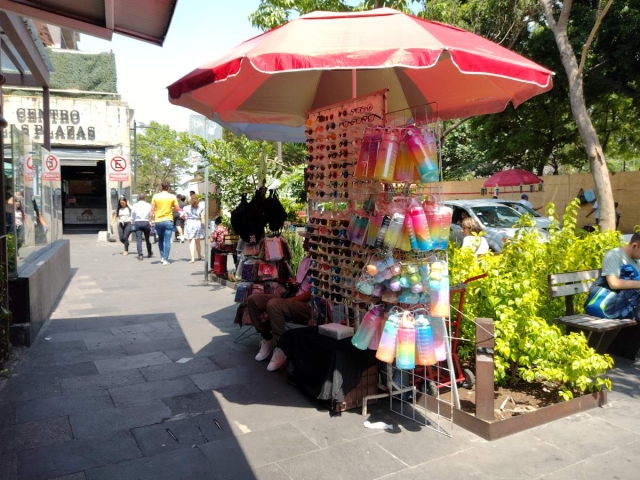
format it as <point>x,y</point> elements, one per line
<point>201,30</point>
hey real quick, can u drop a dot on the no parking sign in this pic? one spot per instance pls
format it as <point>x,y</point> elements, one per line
<point>118,169</point>
<point>28,169</point>
<point>50,168</point>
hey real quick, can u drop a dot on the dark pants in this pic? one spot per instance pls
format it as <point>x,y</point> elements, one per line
<point>279,311</point>
<point>124,231</point>
<point>143,228</point>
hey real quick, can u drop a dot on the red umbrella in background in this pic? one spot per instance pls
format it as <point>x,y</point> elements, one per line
<point>311,62</point>
<point>512,178</point>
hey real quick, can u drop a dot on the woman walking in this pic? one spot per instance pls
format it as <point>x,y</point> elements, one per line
<point>194,226</point>
<point>123,217</point>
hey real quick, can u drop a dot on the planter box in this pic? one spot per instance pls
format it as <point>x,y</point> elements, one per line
<point>503,428</point>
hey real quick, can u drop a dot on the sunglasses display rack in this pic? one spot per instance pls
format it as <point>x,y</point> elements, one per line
<point>369,184</point>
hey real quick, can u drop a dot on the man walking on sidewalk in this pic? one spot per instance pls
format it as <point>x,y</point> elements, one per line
<point>163,205</point>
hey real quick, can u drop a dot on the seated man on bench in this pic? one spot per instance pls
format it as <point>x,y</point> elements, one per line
<point>279,310</point>
<point>621,272</point>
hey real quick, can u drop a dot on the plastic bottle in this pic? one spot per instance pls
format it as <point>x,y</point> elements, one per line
<point>375,338</point>
<point>439,330</point>
<point>430,208</point>
<point>384,227</point>
<point>426,165</point>
<point>409,233</point>
<point>360,230</point>
<point>394,231</point>
<point>387,154</point>
<point>366,330</point>
<point>439,290</point>
<point>442,224</point>
<point>387,347</point>
<point>406,344</point>
<point>405,167</point>
<point>375,222</point>
<point>420,226</point>
<point>366,165</point>
<point>425,352</point>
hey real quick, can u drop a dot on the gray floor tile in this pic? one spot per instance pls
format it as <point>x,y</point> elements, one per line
<point>193,403</point>
<point>93,344</point>
<point>100,354</point>
<point>58,372</point>
<point>454,467</point>
<point>102,381</point>
<point>104,422</point>
<point>144,392</point>
<point>7,414</point>
<point>132,361</point>
<point>43,347</point>
<point>360,459</point>
<point>69,457</point>
<point>157,439</point>
<point>155,346</point>
<point>9,466</point>
<point>76,335</point>
<point>173,370</point>
<point>53,407</point>
<point>344,429</point>
<point>72,476</point>
<point>184,464</point>
<point>255,449</point>
<point>30,435</point>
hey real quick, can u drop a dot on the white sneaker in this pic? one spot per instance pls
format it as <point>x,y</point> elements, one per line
<point>165,262</point>
<point>266,347</point>
<point>278,359</point>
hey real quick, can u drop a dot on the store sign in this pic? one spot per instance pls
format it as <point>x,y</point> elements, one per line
<point>27,169</point>
<point>50,168</point>
<point>65,124</point>
<point>118,169</point>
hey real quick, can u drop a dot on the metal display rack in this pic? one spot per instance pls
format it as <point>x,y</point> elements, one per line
<point>334,136</point>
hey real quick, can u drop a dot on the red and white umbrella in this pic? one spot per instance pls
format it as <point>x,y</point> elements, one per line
<point>512,178</point>
<point>277,77</point>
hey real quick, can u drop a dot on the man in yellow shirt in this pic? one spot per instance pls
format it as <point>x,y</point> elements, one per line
<point>163,205</point>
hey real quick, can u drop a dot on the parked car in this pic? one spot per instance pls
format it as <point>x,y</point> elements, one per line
<point>495,219</point>
<point>541,222</point>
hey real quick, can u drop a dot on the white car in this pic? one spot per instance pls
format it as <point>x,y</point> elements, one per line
<point>541,222</point>
<point>496,220</point>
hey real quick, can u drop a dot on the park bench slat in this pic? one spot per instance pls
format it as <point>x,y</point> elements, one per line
<point>570,277</point>
<point>587,322</point>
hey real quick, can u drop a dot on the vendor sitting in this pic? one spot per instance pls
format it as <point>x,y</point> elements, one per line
<point>296,309</point>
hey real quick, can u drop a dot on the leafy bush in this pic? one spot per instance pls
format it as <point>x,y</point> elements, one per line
<point>292,208</point>
<point>295,242</point>
<point>529,346</point>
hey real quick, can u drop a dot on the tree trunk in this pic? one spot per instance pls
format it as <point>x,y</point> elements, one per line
<point>597,161</point>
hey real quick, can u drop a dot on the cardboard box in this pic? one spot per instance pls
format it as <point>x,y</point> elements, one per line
<point>335,331</point>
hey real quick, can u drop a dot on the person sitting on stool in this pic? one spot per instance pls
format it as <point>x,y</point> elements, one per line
<point>279,310</point>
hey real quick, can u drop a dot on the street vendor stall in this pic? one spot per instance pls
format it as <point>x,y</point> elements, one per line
<point>379,235</point>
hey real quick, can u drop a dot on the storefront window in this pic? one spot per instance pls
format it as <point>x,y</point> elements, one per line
<point>33,200</point>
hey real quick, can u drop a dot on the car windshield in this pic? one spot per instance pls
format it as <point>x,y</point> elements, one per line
<point>496,216</point>
<point>522,209</point>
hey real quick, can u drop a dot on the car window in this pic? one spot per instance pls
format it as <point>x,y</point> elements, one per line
<point>522,209</point>
<point>496,216</point>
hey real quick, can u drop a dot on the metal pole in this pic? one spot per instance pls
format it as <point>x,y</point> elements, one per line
<point>206,220</point>
<point>135,157</point>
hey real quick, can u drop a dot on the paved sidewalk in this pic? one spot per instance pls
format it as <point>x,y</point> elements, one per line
<point>105,389</point>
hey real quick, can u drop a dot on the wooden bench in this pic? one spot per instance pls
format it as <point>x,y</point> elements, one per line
<point>600,332</point>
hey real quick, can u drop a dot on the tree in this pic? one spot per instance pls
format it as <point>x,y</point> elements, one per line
<point>575,75</point>
<point>161,155</point>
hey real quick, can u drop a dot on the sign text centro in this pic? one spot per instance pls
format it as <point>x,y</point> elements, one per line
<point>65,124</point>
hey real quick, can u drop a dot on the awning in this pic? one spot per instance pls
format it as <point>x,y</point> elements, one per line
<point>146,20</point>
<point>78,157</point>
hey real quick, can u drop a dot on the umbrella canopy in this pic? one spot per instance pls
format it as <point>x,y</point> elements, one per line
<point>512,178</point>
<point>277,77</point>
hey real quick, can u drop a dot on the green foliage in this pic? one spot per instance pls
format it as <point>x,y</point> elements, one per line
<point>239,166</point>
<point>161,155</point>
<point>295,242</point>
<point>529,346</point>
<point>292,208</point>
<point>83,71</point>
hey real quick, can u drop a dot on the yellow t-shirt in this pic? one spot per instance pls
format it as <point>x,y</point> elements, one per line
<point>163,202</point>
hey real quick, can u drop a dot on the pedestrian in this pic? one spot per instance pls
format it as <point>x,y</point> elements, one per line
<point>122,216</point>
<point>595,210</point>
<point>141,219</point>
<point>178,222</point>
<point>217,237</point>
<point>194,227</point>
<point>163,205</point>
<point>471,230</point>
<point>524,200</point>
<point>617,216</point>
<point>21,220</point>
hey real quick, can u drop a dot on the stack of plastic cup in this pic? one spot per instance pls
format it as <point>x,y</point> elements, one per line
<point>366,165</point>
<point>387,347</point>
<point>406,343</point>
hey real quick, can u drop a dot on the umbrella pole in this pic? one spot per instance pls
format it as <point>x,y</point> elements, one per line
<point>354,85</point>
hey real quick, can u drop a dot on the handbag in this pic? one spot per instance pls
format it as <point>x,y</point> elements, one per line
<point>153,236</point>
<point>602,302</point>
<point>290,290</point>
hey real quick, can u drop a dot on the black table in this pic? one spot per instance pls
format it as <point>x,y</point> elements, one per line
<point>322,367</point>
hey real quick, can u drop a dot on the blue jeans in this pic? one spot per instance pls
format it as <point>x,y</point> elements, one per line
<point>164,231</point>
